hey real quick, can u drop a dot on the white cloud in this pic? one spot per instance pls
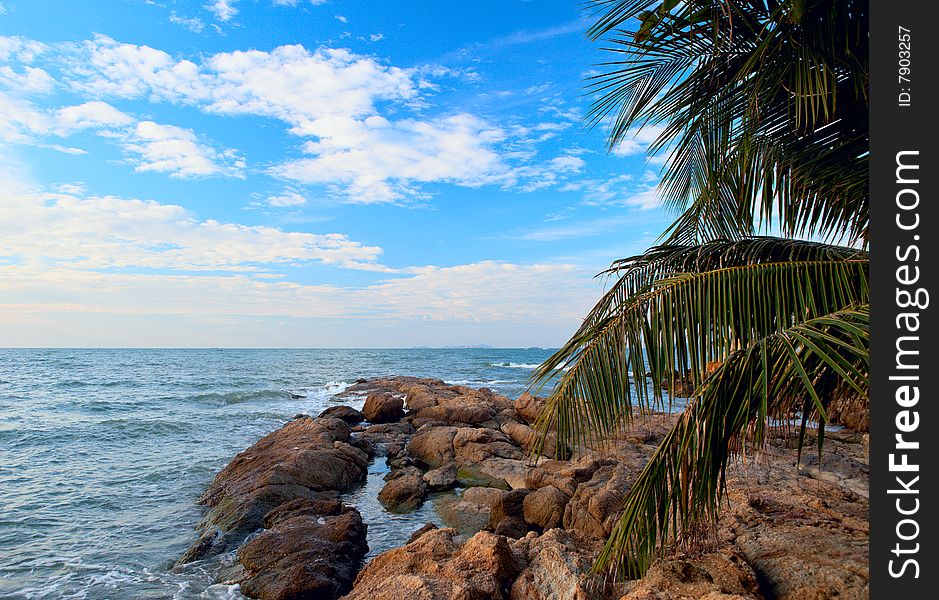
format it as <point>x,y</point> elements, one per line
<point>287,198</point>
<point>376,37</point>
<point>81,233</point>
<point>341,19</point>
<point>193,24</point>
<point>178,152</point>
<point>31,80</point>
<point>377,160</point>
<point>90,115</point>
<point>333,96</point>
<point>223,10</point>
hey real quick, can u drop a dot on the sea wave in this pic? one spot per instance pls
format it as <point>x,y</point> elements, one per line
<point>514,365</point>
<point>245,396</point>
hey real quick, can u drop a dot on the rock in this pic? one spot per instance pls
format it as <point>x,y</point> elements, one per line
<point>433,447</point>
<point>436,567</point>
<point>715,576</point>
<point>507,515</point>
<point>423,529</point>
<point>383,407</point>
<point>544,508</point>
<point>304,555</point>
<point>441,478</point>
<point>805,539</point>
<point>468,513</point>
<point>529,407</point>
<point>473,477</point>
<point>526,437</point>
<point>346,413</point>
<point>498,472</point>
<point>559,564</point>
<point>850,410</point>
<point>403,494</point>
<point>564,475</point>
<point>472,446</point>
<point>596,505</point>
<point>462,410</point>
<point>299,460</point>
<point>512,527</point>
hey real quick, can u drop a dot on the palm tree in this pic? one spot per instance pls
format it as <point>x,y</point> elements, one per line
<point>763,109</point>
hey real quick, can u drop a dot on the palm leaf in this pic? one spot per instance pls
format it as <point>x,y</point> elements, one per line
<point>680,489</point>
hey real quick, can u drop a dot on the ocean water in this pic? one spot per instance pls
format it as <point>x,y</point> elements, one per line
<point>104,453</point>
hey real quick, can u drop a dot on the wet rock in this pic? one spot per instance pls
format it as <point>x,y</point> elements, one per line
<point>544,508</point>
<point>299,460</point>
<point>404,493</point>
<point>715,576</point>
<point>441,478</point>
<point>346,413</point>
<point>472,476</point>
<point>304,555</point>
<point>468,513</point>
<point>436,566</point>
<point>383,407</point>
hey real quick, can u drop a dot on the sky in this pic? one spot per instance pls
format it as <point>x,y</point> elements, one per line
<point>307,173</point>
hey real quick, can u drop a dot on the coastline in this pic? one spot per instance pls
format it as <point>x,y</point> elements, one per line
<point>514,529</point>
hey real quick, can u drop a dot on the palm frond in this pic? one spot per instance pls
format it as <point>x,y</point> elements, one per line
<point>789,372</point>
<point>672,327</point>
<point>764,107</point>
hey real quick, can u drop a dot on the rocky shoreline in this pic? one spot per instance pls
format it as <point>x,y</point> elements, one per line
<point>516,530</point>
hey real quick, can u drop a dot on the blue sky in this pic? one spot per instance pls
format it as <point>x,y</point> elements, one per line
<point>306,173</point>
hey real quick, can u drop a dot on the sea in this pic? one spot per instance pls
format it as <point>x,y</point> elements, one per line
<point>105,452</point>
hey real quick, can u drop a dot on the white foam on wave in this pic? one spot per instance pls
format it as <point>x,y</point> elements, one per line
<point>221,591</point>
<point>514,365</point>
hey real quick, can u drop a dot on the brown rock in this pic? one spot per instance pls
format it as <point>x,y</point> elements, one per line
<point>468,513</point>
<point>433,447</point>
<point>715,576</point>
<point>304,556</point>
<point>383,407</point>
<point>596,505</point>
<point>297,461</point>
<point>436,567</point>
<point>441,478</point>
<point>403,493</point>
<point>346,413</point>
<point>544,507</point>
<point>559,564</point>
<point>529,407</point>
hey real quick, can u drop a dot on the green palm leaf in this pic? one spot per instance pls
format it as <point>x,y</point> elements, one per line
<point>793,370</point>
<point>672,328</point>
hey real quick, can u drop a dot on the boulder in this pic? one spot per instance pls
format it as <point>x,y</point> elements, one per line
<point>529,407</point>
<point>304,555</point>
<point>468,513</point>
<point>432,446</point>
<point>383,407</point>
<point>596,504</point>
<point>436,566</point>
<point>508,514</point>
<point>299,460</point>
<point>403,494</point>
<point>715,576</point>
<point>558,567</point>
<point>806,539</point>
<point>544,508</point>
<point>346,413</point>
<point>441,478</point>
